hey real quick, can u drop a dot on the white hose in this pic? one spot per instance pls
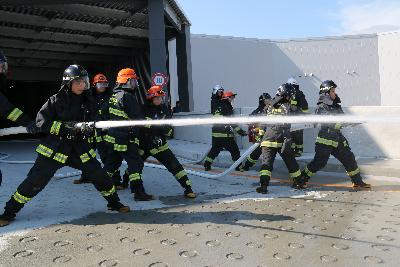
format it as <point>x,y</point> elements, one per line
<point>13,130</point>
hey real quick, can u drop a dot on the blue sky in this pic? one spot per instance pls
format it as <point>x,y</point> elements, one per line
<point>291,18</point>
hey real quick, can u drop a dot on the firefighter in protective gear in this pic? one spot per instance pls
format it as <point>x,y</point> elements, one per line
<point>277,139</point>
<point>123,142</point>
<point>102,93</point>
<point>331,141</point>
<point>65,144</point>
<point>216,97</point>
<point>7,110</point>
<point>223,136</point>
<point>263,103</point>
<point>153,141</point>
<point>299,106</point>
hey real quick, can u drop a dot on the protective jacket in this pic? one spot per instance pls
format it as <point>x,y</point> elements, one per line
<point>8,111</point>
<point>153,137</point>
<point>224,108</point>
<point>298,103</point>
<point>330,134</point>
<point>122,105</point>
<point>59,109</point>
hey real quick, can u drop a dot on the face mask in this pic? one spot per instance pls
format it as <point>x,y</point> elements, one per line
<point>101,85</point>
<point>3,68</point>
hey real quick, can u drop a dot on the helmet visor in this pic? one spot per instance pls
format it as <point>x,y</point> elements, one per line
<point>101,85</point>
<point>84,80</point>
<point>3,67</point>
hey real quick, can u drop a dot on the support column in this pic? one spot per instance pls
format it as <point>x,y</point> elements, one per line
<point>158,50</point>
<point>184,68</point>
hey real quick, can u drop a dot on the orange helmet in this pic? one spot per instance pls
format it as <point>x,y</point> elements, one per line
<point>155,91</point>
<point>125,74</point>
<point>228,94</point>
<point>99,78</point>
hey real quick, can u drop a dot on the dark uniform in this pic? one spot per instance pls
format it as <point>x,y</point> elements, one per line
<point>216,97</point>
<point>331,141</point>
<point>64,145</point>
<point>123,142</point>
<point>9,111</point>
<point>299,106</point>
<point>255,155</point>
<point>153,143</point>
<point>223,136</point>
<point>278,139</point>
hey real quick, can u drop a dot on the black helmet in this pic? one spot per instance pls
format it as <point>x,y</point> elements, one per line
<point>326,86</point>
<point>264,96</point>
<point>286,90</point>
<point>74,72</point>
<point>3,63</point>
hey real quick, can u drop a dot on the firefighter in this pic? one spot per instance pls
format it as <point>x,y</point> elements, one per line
<point>153,141</point>
<point>7,110</point>
<point>123,142</point>
<point>216,96</point>
<point>223,136</point>
<point>263,103</point>
<point>331,141</point>
<point>65,144</point>
<point>277,139</point>
<point>102,93</point>
<point>299,106</point>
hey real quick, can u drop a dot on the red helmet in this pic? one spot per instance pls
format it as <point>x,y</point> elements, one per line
<point>125,74</point>
<point>155,91</point>
<point>99,78</point>
<point>228,94</point>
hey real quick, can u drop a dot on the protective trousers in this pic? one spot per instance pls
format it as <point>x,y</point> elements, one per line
<point>221,143</point>
<point>268,158</point>
<point>342,152</point>
<point>135,164</point>
<point>253,158</point>
<point>168,159</point>
<point>298,145</point>
<point>44,169</point>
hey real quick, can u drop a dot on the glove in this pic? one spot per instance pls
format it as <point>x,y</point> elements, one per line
<point>69,130</point>
<point>87,129</point>
<point>32,128</point>
<point>242,132</point>
<point>157,141</point>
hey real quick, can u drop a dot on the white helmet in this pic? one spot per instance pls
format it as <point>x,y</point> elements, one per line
<point>292,81</point>
<point>217,88</point>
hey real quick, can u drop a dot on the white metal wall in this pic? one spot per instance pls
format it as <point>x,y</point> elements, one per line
<point>364,67</point>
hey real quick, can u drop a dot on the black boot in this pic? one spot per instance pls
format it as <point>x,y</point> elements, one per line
<point>207,166</point>
<point>244,168</point>
<point>262,189</point>
<point>186,184</point>
<point>359,184</point>
<point>299,183</point>
<point>140,194</point>
<point>114,204</point>
<point>305,177</point>
<point>10,211</point>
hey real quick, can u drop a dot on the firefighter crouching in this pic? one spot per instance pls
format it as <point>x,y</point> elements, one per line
<point>223,136</point>
<point>64,144</point>
<point>263,103</point>
<point>153,141</point>
<point>331,141</point>
<point>277,139</point>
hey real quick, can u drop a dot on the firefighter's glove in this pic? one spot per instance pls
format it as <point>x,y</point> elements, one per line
<point>69,130</point>
<point>242,132</point>
<point>287,146</point>
<point>87,129</point>
<point>32,128</point>
<point>157,141</point>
